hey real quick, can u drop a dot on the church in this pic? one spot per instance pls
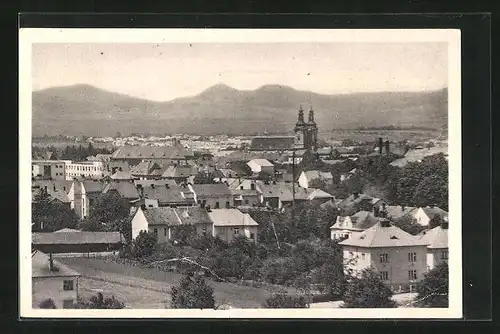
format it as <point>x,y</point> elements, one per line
<point>306,137</point>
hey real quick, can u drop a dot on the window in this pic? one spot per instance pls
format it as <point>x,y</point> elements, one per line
<point>155,231</point>
<point>68,303</point>
<point>68,285</point>
<point>412,257</point>
<point>165,232</point>
<point>252,236</point>
<point>412,275</point>
<point>246,201</point>
<point>236,230</point>
<point>384,258</point>
<point>384,275</point>
<point>217,204</point>
<point>351,254</point>
<point>204,230</point>
<point>227,205</point>
<point>362,256</point>
<point>444,255</point>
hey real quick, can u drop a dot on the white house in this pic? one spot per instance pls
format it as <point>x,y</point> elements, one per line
<point>230,223</point>
<point>306,177</point>
<point>346,226</point>
<point>261,165</point>
<point>437,249</point>
<point>52,280</point>
<point>399,257</point>
<point>86,169</point>
<point>424,215</point>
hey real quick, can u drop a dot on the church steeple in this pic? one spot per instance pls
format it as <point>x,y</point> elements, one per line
<point>300,120</point>
<point>311,116</point>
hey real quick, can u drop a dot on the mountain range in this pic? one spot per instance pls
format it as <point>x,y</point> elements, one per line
<point>87,110</point>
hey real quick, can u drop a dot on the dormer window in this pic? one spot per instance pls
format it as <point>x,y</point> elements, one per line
<point>394,237</point>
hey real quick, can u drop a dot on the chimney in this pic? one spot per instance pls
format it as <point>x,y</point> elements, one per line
<point>380,145</point>
<point>51,263</point>
<point>385,223</point>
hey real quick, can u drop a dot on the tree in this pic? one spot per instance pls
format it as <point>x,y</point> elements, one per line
<point>266,176</point>
<point>432,190</point>
<point>433,289</point>
<point>192,292</point>
<point>367,291</point>
<point>281,299</point>
<point>409,224</point>
<point>318,184</point>
<point>91,225</point>
<point>113,211</point>
<point>47,304</point>
<point>144,244</point>
<point>50,216</point>
<point>435,221</point>
<point>204,178</point>
<point>99,302</point>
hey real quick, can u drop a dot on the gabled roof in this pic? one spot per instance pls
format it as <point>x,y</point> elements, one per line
<point>262,162</point>
<point>40,267</point>
<point>380,236</point>
<point>397,211</point>
<point>231,217</point>
<point>245,192</point>
<point>317,193</point>
<point>160,183</point>
<point>431,212</point>
<point>66,230</point>
<point>272,142</point>
<point>324,151</point>
<point>207,190</point>
<point>121,175</point>
<point>318,175</point>
<point>58,194</point>
<point>76,238</point>
<point>436,238</point>
<point>364,219</point>
<point>151,152</point>
<point>179,172</point>
<point>176,216</point>
<point>93,186</point>
<point>144,168</point>
<point>124,189</point>
<point>61,185</point>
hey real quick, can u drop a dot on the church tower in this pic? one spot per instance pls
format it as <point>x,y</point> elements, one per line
<point>308,130</point>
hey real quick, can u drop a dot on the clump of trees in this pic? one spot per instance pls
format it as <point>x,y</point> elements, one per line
<point>433,289</point>
<point>143,245</point>
<point>367,291</point>
<point>98,301</point>
<point>50,216</point>
<point>192,292</point>
<point>281,299</point>
<point>47,304</point>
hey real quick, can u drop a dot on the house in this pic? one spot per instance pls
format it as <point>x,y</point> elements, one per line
<point>77,243</point>
<point>125,189</point>
<point>437,244</point>
<point>122,176</point>
<point>49,169</point>
<point>230,223</point>
<point>325,153</point>
<point>399,257</point>
<point>56,190</point>
<point>85,170</point>
<point>246,197</point>
<point>359,202</point>
<point>306,177</point>
<point>345,226</point>
<point>161,183</point>
<point>167,195</point>
<point>126,157</point>
<point>424,215</point>
<point>277,195</point>
<point>214,196</point>
<point>162,221</point>
<point>261,165</point>
<point>179,173</point>
<point>419,153</point>
<point>146,170</point>
<point>351,173</point>
<point>52,280</point>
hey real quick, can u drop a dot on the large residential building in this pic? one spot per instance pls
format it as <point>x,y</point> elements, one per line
<point>437,249</point>
<point>399,257</point>
<point>86,170</point>
<point>231,223</point>
<point>53,280</point>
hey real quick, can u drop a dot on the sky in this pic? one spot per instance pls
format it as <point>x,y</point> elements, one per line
<point>163,72</point>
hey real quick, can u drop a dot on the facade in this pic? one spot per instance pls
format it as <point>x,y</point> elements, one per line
<point>231,223</point>
<point>162,221</point>
<point>214,196</point>
<point>86,169</point>
<point>261,165</point>
<point>79,201</point>
<point>399,257</point>
<point>246,197</point>
<point>52,280</point>
<point>437,249</point>
<point>49,169</point>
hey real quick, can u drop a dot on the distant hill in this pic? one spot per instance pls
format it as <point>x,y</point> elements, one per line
<point>86,110</point>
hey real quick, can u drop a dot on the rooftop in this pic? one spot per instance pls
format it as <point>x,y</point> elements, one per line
<point>151,152</point>
<point>176,216</point>
<point>76,238</point>
<point>231,217</point>
<point>211,189</point>
<point>40,267</point>
<point>436,238</point>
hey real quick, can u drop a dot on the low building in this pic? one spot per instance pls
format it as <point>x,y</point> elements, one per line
<point>77,243</point>
<point>212,195</point>
<point>437,245</point>
<point>261,166</point>
<point>146,170</point>
<point>179,174</point>
<point>399,257</point>
<point>49,169</point>
<point>246,197</point>
<point>162,221</point>
<point>52,280</point>
<point>306,177</point>
<point>125,189</point>
<point>231,223</point>
<point>424,215</point>
<point>395,212</point>
<point>361,202</point>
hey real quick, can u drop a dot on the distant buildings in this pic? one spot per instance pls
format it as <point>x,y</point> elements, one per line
<point>261,166</point>
<point>306,177</point>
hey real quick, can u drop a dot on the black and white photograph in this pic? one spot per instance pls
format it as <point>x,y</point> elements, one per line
<point>240,173</point>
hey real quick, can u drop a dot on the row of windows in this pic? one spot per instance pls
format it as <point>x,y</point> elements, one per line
<point>412,275</point>
<point>86,168</point>
<point>217,205</point>
<point>384,257</point>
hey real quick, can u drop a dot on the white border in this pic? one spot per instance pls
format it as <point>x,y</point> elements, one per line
<point>450,36</point>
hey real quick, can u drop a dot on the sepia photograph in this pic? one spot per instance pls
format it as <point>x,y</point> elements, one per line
<point>240,173</point>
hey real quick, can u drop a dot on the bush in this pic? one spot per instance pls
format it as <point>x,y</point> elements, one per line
<point>47,304</point>
<point>193,292</point>
<point>143,245</point>
<point>281,299</point>
<point>279,271</point>
<point>368,291</point>
<point>99,302</point>
<point>433,289</point>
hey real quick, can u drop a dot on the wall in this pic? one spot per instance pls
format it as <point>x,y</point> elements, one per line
<point>435,257</point>
<point>303,180</point>
<point>256,168</point>
<point>52,287</point>
<point>227,233</point>
<point>139,223</point>
<point>211,201</point>
<point>164,233</point>
<point>421,217</point>
<point>93,170</point>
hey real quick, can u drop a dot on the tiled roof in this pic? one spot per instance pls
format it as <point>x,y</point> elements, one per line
<point>144,168</point>
<point>61,185</point>
<point>59,194</point>
<point>245,192</point>
<point>160,183</point>
<point>176,216</point>
<point>93,186</point>
<point>76,238</point>
<point>380,236</point>
<point>125,189</point>
<point>324,151</point>
<point>151,152</point>
<point>272,142</point>
<point>231,217</point>
<point>364,219</point>
<point>396,211</point>
<point>207,190</point>
<point>431,212</point>
<point>436,238</point>
<point>165,195</point>
<point>315,174</point>
<point>179,172</point>
<point>40,267</point>
<point>121,175</point>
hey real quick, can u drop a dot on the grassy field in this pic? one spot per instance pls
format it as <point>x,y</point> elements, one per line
<point>150,288</point>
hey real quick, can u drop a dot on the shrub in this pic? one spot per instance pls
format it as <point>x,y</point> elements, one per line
<point>47,304</point>
<point>192,292</point>
<point>144,244</point>
<point>281,299</point>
